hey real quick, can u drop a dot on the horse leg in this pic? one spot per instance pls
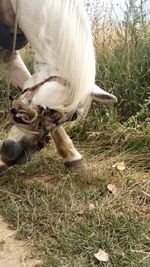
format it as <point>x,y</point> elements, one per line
<point>64,145</point>
<point>18,72</point>
<point>12,145</point>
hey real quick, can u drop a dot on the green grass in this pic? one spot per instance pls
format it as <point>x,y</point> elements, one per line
<point>123,56</point>
<point>50,206</point>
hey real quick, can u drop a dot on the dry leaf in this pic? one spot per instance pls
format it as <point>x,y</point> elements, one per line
<point>102,256</point>
<point>80,212</point>
<point>113,189</point>
<point>93,134</point>
<point>120,166</point>
<point>92,206</point>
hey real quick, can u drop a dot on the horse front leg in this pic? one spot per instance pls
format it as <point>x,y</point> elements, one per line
<point>12,146</point>
<point>65,148</point>
<point>18,73</point>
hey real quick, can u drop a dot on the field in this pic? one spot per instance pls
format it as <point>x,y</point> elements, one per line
<point>66,217</point>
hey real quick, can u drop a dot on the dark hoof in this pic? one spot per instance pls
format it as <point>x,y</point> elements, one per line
<point>77,165</point>
<point>10,151</point>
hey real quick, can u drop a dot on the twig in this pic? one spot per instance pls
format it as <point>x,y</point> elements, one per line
<point>141,251</point>
<point>4,239</point>
<point>145,193</point>
<point>9,193</point>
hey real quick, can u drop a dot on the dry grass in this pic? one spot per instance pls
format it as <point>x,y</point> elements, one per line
<point>51,207</point>
<point>67,217</point>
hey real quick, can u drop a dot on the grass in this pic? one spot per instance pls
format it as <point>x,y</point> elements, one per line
<point>51,207</point>
<point>66,217</point>
<point>122,48</point>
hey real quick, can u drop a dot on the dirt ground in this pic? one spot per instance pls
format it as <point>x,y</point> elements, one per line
<point>13,252</point>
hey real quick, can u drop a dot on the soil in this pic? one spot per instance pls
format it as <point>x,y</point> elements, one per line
<point>13,253</point>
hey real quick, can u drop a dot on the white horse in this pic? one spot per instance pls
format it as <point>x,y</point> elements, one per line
<point>60,36</point>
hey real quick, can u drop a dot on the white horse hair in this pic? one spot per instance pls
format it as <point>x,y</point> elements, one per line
<point>60,36</point>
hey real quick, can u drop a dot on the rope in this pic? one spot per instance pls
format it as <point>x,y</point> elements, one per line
<point>10,64</point>
<point>49,79</point>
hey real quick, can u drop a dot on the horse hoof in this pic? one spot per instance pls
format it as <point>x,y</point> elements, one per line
<point>10,150</point>
<point>76,165</point>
